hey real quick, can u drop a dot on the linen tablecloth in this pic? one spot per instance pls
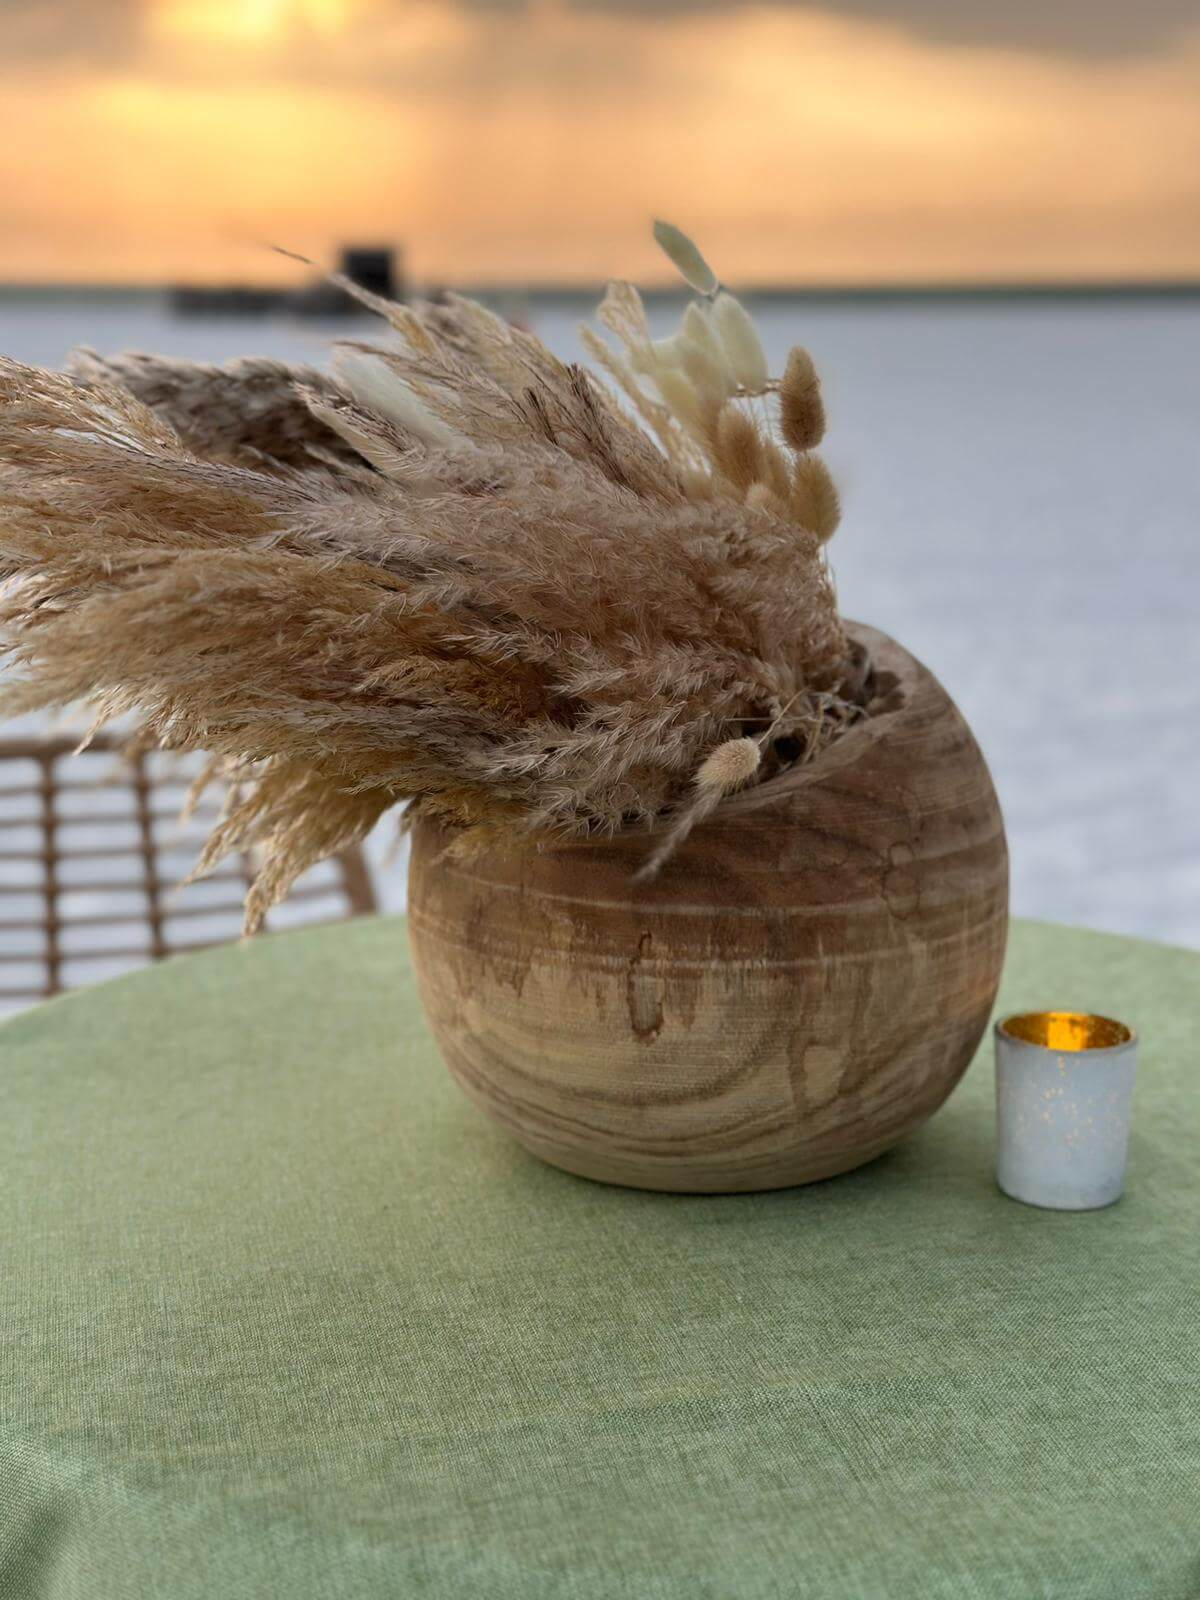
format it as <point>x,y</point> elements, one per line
<point>282,1315</point>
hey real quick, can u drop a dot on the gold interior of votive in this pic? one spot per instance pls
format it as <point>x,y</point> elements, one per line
<point>1067,1030</point>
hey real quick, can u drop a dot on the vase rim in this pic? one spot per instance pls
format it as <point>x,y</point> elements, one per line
<point>884,652</point>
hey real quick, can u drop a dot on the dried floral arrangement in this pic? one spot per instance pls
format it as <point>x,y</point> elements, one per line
<point>457,572</point>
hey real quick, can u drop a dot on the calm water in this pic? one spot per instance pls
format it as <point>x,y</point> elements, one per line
<point>1022,509</point>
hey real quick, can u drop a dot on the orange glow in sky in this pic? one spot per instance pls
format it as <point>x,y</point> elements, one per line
<point>247,22</point>
<point>510,143</point>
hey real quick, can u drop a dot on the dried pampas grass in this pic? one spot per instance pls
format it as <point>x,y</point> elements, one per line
<point>457,573</point>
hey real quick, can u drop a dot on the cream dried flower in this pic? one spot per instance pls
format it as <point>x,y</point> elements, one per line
<point>690,264</point>
<point>702,381</point>
<point>730,766</point>
<point>740,341</point>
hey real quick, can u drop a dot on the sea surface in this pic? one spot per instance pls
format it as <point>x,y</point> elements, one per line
<point>1021,482</point>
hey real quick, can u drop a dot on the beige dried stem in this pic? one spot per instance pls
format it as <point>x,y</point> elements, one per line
<point>457,573</point>
<point>723,771</point>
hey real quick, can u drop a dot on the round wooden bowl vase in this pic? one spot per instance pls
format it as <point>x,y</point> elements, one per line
<point>803,984</point>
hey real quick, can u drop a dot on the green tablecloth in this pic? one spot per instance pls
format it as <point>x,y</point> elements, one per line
<point>283,1315</point>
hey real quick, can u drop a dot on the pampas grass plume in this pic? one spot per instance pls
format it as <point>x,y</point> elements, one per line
<point>686,258</point>
<point>801,409</point>
<point>372,383</point>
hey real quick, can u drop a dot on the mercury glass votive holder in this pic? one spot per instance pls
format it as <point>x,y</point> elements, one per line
<point>1064,1093</point>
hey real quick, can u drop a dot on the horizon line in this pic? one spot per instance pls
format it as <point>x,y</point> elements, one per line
<point>571,289</point>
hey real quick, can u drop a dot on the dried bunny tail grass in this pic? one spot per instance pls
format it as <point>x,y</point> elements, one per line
<point>761,497</point>
<point>686,258</point>
<point>696,409</point>
<point>739,448</point>
<point>681,387</point>
<point>710,382</point>
<point>814,498</point>
<point>737,762</point>
<point>698,330</point>
<point>724,770</point>
<point>246,411</point>
<point>801,409</point>
<point>778,471</point>
<point>743,349</point>
<point>729,766</point>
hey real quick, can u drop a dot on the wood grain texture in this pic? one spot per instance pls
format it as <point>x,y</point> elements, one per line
<point>803,985</point>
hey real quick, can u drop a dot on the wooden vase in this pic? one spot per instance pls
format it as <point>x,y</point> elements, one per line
<point>803,985</point>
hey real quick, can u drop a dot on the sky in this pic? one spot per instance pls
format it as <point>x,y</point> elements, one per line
<point>531,141</point>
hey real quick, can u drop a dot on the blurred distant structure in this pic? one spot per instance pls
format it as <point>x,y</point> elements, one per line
<point>224,300</point>
<point>373,267</point>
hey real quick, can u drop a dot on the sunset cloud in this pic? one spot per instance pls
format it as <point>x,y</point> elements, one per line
<point>534,142</point>
<point>1075,27</point>
<point>57,28</point>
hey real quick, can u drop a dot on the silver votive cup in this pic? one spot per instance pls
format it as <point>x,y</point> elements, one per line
<point>1064,1093</point>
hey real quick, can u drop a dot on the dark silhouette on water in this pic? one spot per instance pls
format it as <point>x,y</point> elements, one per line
<point>372,267</point>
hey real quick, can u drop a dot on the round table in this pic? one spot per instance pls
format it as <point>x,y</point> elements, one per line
<point>282,1315</point>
